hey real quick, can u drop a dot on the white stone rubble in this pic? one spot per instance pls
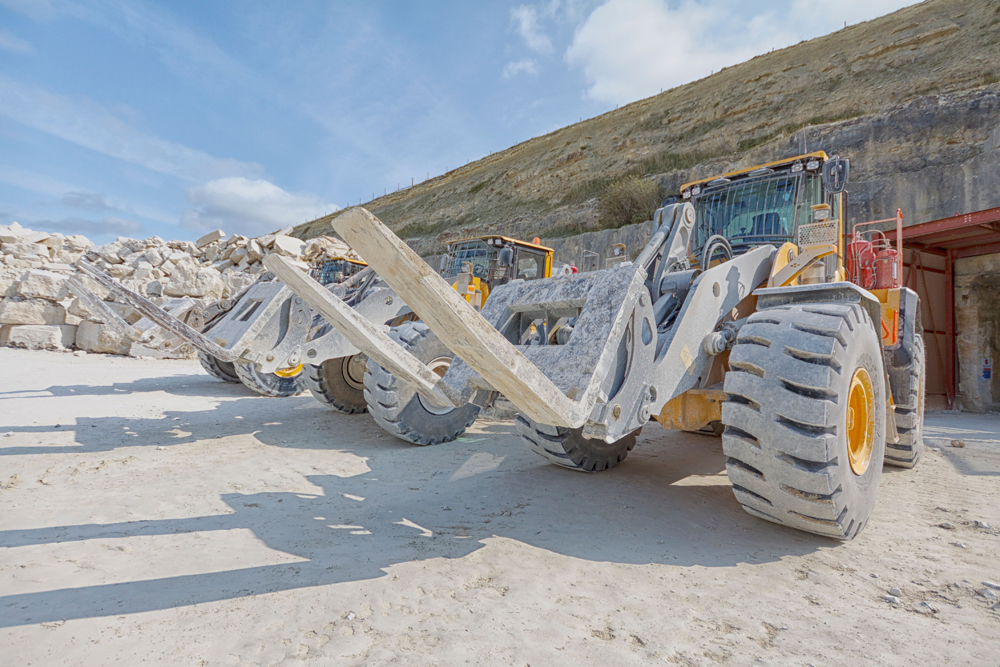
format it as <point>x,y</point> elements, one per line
<point>39,311</point>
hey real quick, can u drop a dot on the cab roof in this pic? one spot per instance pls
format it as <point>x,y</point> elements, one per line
<point>505,239</point>
<point>819,155</point>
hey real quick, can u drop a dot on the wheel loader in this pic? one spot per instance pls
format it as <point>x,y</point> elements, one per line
<point>749,307</point>
<point>269,340</point>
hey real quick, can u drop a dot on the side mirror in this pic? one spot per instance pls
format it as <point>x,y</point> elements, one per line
<point>443,263</point>
<point>836,172</point>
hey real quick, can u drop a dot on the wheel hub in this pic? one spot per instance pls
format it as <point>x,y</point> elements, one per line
<point>353,369</point>
<point>288,372</point>
<point>439,367</point>
<point>860,421</point>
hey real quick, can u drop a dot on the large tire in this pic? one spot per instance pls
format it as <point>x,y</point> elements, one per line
<point>395,405</point>
<point>910,415</point>
<point>219,369</point>
<point>270,384</point>
<point>793,458</point>
<point>339,383</point>
<point>569,449</point>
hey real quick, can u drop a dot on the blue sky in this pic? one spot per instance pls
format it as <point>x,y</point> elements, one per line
<point>135,118</point>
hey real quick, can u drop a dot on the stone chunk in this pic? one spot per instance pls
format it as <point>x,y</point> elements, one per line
<point>43,285</point>
<point>42,336</point>
<point>209,238</point>
<point>289,246</point>
<point>94,337</point>
<point>12,233</point>
<point>18,310</point>
<point>188,279</point>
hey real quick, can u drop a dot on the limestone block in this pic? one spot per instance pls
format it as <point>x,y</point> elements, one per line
<point>143,271</point>
<point>77,243</point>
<point>35,237</point>
<point>95,337</point>
<point>126,312</point>
<point>42,336</point>
<point>120,270</point>
<point>254,250</point>
<point>208,238</point>
<point>239,254</point>
<point>154,288</point>
<point>95,287</point>
<point>289,246</point>
<point>8,286</point>
<point>44,285</point>
<point>24,249</point>
<point>211,252</point>
<point>19,310</point>
<point>177,256</point>
<point>236,282</point>
<point>133,258</point>
<point>155,256</point>
<point>129,246</point>
<point>77,308</point>
<point>109,252</point>
<point>53,241</point>
<point>12,233</point>
<point>188,279</point>
<point>74,319</point>
<point>167,268</point>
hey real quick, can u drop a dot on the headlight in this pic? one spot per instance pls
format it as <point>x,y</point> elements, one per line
<point>686,194</point>
<point>696,190</point>
<point>812,165</point>
<point>797,167</point>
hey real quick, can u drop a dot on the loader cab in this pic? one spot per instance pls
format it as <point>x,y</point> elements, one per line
<point>337,270</point>
<point>762,205</point>
<point>494,260</point>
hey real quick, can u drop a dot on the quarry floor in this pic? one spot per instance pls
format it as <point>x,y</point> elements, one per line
<point>151,514</point>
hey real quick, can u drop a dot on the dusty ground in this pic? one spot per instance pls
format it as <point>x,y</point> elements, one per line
<point>149,513</point>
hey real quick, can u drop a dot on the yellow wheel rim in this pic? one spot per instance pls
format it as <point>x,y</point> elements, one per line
<point>288,372</point>
<point>860,421</point>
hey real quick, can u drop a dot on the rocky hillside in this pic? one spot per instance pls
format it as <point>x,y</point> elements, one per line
<point>912,98</point>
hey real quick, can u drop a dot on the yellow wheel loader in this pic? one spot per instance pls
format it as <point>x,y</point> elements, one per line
<point>749,307</point>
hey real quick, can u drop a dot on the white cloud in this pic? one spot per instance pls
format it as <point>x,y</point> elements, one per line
<point>250,207</point>
<point>88,124</point>
<point>629,49</point>
<point>512,69</point>
<point>525,21</point>
<point>11,42</point>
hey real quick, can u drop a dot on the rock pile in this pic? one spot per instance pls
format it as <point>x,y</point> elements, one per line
<point>39,311</point>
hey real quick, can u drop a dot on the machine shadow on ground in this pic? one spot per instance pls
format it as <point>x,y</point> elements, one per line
<point>669,503</point>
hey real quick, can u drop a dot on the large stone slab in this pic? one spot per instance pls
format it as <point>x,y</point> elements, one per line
<point>42,336</point>
<point>188,279</point>
<point>41,284</point>
<point>95,337</point>
<point>209,238</point>
<point>19,310</point>
<point>288,246</point>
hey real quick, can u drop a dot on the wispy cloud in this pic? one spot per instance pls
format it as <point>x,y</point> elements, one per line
<point>11,42</point>
<point>90,228</point>
<point>88,201</point>
<point>512,69</point>
<point>525,20</point>
<point>89,124</point>
<point>250,206</point>
<point>628,49</point>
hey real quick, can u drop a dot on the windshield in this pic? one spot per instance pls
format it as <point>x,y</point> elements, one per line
<point>476,252</point>
<point>751,212</point>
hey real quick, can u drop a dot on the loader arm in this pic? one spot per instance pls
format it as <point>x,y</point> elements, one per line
<point>157,314</point>
<point>457,324</point>
<point>367,336</point>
